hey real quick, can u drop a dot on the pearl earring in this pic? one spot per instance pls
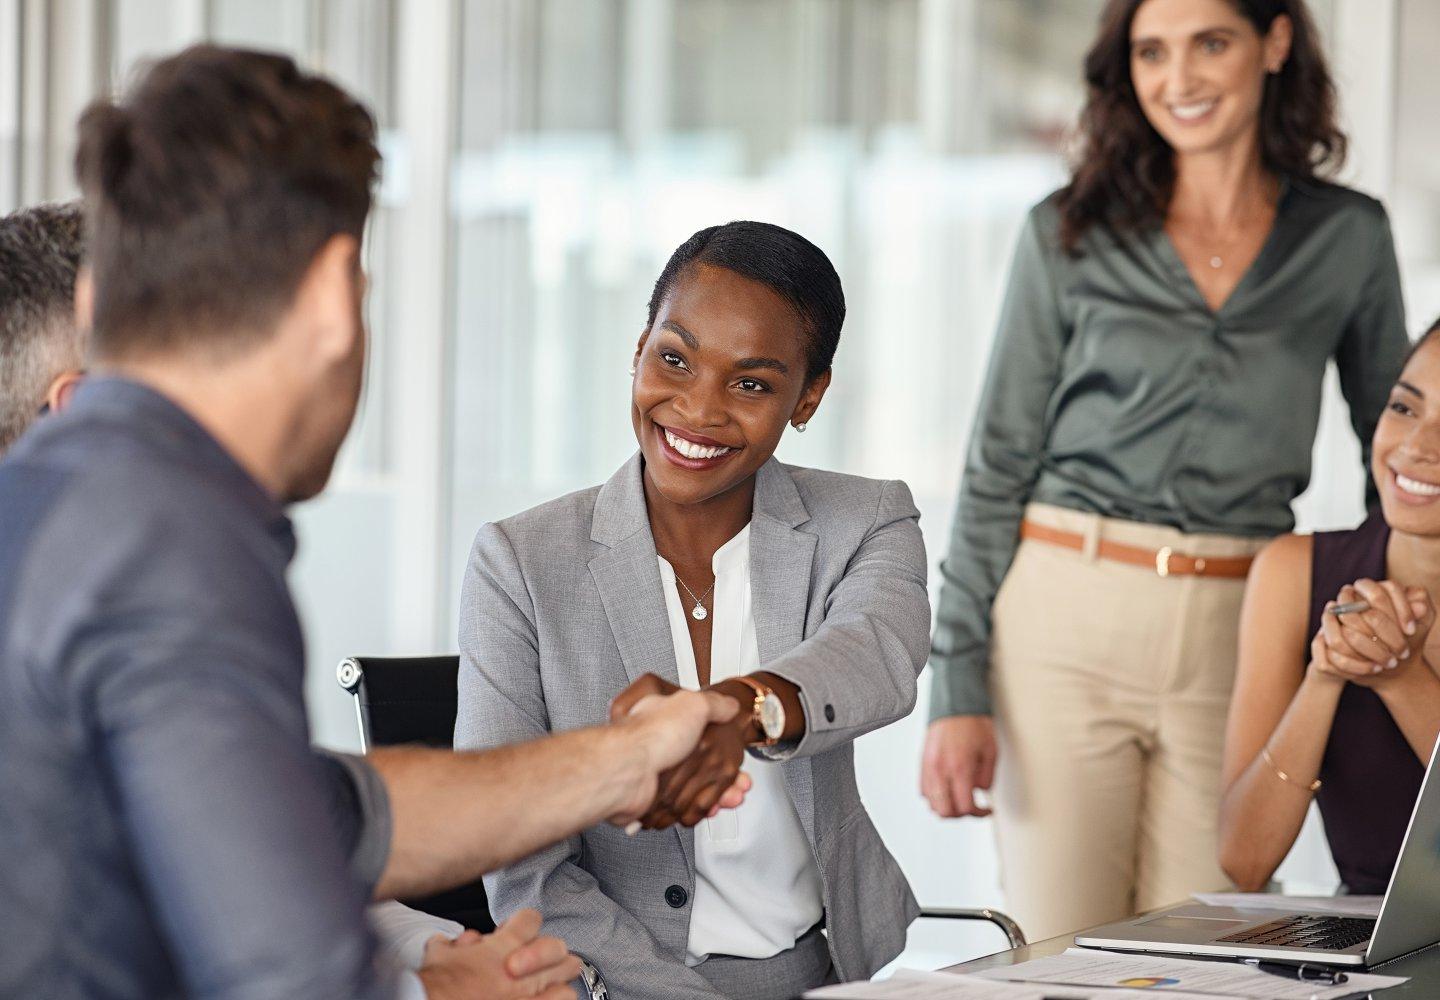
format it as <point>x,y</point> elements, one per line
<point>632,368</point>
<point>801,427</point>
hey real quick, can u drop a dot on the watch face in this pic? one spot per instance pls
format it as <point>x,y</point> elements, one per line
<point>772,717</point>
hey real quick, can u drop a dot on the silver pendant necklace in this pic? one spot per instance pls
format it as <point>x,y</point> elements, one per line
<point>698,612</point>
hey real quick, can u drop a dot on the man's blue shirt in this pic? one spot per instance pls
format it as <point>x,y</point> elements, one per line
<point>165,828</point>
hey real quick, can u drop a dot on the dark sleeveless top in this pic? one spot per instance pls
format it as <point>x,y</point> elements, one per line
<point>1370,776</point>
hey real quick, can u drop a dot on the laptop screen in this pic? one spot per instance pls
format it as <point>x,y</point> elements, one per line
<point>1410,914</point>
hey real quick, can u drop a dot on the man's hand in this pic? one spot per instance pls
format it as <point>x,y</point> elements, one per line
<point>695,788</point>
<point>673,727</point>
<point>959,758</point>
<point>513,963</point>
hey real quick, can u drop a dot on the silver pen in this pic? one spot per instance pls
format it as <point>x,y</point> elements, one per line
<point>1350,608</point>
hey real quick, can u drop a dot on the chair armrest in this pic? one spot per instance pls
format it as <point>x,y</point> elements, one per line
<point>594,985</point>
<point>1012,930</point>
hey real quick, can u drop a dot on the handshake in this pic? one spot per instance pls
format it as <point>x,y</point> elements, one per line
<point>693,744</point>
<point>669,756</point>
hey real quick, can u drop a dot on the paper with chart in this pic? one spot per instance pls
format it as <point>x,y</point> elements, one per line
<point>908,984</point>
<point>1162,974</point>
<point>1345,906</point>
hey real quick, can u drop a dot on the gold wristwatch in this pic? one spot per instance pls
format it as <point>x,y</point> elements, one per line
<point>768,713</point>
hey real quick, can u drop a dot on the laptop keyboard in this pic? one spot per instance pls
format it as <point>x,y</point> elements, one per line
<point>1319,933</point>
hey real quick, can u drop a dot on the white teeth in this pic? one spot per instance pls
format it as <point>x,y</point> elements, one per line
<point>1187,112</point>
<point>1416,487</point>
<point>692,450</point>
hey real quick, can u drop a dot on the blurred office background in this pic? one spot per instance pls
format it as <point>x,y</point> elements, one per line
<point>543,157</point>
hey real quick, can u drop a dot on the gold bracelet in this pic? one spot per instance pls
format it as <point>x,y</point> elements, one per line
<point>1314,786</point>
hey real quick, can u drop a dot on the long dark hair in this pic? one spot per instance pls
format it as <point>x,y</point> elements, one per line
<point>1124,172</point>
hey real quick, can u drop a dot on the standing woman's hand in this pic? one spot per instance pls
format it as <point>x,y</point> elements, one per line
<point>959,759</point>
<point>1372,647</point>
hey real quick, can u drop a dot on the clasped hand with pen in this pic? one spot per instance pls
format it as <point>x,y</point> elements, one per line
<point>1375,631</point>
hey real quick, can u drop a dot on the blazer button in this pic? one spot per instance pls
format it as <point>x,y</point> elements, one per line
<point>829,713</point>
<point>676,896</point>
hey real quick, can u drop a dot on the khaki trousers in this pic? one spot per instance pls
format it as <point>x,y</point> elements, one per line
<point>1111,686</point>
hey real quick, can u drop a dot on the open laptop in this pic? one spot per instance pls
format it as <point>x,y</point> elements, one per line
<point>1409,915</point>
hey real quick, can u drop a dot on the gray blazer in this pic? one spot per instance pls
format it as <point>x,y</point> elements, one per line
<point>562,608</point>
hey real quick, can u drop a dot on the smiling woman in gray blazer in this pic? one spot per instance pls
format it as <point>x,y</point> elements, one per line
<point>704,562</point>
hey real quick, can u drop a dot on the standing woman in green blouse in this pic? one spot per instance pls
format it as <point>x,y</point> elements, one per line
<point>1148,416</point>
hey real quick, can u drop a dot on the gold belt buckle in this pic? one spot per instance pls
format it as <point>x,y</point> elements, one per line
<point>1162,561</point>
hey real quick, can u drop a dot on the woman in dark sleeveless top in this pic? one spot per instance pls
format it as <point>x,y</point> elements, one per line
<point>1343,706</point>
<point>1369,774</point>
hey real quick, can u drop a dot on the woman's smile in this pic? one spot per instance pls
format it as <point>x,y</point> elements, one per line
<point>1413,491</point>
<point>691,451</point>
<point>1193,112</point>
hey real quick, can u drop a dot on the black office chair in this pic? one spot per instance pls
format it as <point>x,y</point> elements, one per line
<point>412,699</point>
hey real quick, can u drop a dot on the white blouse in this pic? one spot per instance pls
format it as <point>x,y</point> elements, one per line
<point>757,885</point>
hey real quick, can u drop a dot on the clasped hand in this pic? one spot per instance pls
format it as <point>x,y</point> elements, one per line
<point>709,778</point>
<point>1372,647</point>
<point>512,963</point>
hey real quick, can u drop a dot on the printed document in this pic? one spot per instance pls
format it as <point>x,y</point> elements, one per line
<point>908,984</point>
<point>1162,974</point>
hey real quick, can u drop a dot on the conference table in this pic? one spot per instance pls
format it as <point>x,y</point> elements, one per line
<point>1422,967</point>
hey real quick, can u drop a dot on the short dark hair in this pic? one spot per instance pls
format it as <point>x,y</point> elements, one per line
<point>40,250</point>
<point>785,262</point>
<point>211,187</point>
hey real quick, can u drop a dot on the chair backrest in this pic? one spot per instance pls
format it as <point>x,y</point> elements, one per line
<point>403,699</point>
<point>411,699</point>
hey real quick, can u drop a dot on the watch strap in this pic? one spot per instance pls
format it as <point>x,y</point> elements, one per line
<point>762,692</point>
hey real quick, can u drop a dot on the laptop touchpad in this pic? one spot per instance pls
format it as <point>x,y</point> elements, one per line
<point>1207,924</point>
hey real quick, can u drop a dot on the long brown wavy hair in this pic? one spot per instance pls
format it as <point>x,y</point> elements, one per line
<point>1124,172</point>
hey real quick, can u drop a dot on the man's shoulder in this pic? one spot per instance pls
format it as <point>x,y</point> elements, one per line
<point>123,525</point>
<point>99,480</point>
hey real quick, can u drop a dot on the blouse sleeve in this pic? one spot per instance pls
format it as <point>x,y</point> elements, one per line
<point>1374,346</point>
<point>1000,472</point>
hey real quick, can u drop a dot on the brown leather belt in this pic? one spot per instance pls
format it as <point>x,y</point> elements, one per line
<point>1165,561</point>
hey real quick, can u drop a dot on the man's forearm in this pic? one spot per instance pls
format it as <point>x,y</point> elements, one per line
<point>457,816</point>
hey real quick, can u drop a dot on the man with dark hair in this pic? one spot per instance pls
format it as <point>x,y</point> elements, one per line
<point>41,348</point>
<point>167,829</point>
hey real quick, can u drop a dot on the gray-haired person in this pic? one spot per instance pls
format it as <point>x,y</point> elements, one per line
<point>41,347</point>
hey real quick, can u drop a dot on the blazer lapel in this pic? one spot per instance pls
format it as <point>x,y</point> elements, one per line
<point>780,559</point>
<point>780,564</point>
<point>627,575</point>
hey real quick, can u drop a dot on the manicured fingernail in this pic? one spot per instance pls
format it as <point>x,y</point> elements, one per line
<point>1393,663</point>
<point>633,828</point>
<point>1409,628</point>
<point>1376,669</point>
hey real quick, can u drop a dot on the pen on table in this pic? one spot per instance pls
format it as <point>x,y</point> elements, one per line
<point>1303,972</point>
<point>1350,608</point>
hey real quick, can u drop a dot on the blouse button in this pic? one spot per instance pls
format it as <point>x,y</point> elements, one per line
<point>676,896</point>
